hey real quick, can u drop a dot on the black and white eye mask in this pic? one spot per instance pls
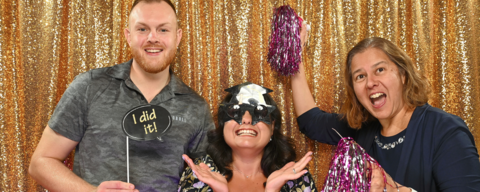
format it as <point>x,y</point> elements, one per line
<point>247,97</point>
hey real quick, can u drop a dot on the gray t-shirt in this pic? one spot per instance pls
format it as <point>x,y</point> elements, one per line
<point>91,112</point>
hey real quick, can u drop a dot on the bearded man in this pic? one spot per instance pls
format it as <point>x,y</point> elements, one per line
<point>89,116</point>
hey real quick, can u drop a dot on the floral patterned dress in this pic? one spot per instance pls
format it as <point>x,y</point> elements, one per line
<point>190,183</point>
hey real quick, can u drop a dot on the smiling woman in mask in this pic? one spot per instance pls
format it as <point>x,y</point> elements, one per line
<point>247,152</point>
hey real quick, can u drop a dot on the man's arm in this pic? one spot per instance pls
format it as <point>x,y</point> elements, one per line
<point>47,167</point>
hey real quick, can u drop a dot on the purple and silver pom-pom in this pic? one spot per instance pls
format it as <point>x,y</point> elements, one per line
<point>285,50</point>
<point>349,169</point>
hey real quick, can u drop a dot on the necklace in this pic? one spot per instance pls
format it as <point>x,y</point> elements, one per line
<point>247,176</point>
<point>388,146</point>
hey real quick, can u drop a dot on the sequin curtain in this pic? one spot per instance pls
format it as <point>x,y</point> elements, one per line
<point>45,43</point>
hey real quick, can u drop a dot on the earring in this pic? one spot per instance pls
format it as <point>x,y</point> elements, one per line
<point>270,139</point>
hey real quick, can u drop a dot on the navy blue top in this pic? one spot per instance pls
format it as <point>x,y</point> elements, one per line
<point>387,151</point>
<point>438,153</point>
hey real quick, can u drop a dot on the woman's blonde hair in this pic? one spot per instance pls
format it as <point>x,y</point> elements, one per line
<point>415,90</point>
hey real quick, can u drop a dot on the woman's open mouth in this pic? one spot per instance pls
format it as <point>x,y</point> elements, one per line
<point>246,132</point>
<point>378,99</point>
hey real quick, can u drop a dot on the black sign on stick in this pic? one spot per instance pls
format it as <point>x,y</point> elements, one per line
<point>146,122</point>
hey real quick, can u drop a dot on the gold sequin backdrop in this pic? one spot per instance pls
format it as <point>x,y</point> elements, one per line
<point>45,43</point>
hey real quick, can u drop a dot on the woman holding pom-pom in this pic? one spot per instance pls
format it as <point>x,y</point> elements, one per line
<point>418,147</point>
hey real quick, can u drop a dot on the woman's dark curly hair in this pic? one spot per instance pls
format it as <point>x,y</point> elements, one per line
<point>278,152</point>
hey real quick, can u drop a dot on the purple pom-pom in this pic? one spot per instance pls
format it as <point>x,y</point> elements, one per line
<point>285,50</point>
<point>349,168</point>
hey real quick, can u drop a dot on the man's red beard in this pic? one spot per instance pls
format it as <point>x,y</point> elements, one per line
<point>155,66</point>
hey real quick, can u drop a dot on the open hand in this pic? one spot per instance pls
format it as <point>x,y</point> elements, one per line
<point>288,172</point>
<point>215,180</point>
<point>111,186</point>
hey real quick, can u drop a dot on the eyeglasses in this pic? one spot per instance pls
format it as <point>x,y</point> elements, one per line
<point>258,112</point>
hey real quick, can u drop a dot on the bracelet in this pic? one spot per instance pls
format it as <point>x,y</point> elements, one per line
<point>411,189</point>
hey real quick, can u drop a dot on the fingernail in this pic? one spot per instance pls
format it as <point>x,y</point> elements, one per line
<point>183,157</point>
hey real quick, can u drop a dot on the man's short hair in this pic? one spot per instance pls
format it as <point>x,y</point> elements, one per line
<point>156,1</point>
